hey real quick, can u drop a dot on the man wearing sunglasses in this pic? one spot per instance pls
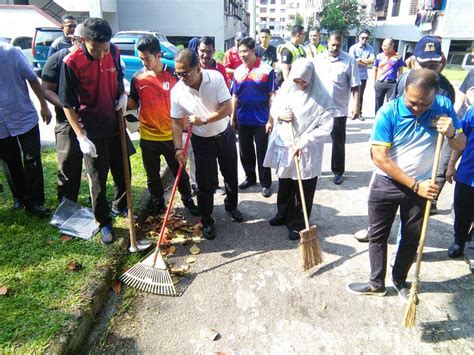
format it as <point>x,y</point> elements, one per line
<point>364,55</point>
<point>68,25</point>
<point>202,98</point>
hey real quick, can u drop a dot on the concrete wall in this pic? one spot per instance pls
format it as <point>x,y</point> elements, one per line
<point>178,18</point>
<point>22,20</point>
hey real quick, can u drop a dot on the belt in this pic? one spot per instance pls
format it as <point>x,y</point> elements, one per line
<point>388,81</point>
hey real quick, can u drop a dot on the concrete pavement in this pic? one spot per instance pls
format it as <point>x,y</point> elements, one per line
<point>247,284</point>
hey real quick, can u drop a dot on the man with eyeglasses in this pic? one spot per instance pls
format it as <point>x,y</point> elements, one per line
<point>202,98</point>
<point>364,55</point>
<point>68,25</point>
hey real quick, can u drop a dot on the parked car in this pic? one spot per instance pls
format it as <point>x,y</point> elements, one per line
<point>126,41</point>
<point>468,61</point>
<point>23,43</point>
<point>275,41</point>
<point>42,40</point>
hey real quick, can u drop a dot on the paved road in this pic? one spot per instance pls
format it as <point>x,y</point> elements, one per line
<point>247,285</point>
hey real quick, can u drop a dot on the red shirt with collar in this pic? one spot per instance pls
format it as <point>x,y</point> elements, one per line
<point>232,60</point>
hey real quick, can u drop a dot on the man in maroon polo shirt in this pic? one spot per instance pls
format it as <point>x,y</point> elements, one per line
<point>91,79</point>
<point>206,50</point>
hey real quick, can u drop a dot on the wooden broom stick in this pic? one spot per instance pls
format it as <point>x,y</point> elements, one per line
<point>410,311</point>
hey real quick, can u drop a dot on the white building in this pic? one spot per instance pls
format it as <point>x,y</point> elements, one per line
<point>178,20</point>
<point>452,20</point>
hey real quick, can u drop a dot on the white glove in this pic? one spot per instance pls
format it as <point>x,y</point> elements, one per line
<point>87,147</point>
<point>122,103</point>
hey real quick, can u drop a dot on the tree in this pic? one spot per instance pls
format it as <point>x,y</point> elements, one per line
<point>344,15</point>
<point>299,20</point>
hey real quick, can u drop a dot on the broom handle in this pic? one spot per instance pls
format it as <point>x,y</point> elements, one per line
<point>426,217</point>
<point>126,173</point>
<point>300,182</point>
<point>170,203</point>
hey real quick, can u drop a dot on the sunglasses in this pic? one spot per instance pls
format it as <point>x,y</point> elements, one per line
<point>183,74</point>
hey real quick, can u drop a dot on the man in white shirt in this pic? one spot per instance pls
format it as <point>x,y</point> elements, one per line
<point>339,73</point>
<point>201,97</point>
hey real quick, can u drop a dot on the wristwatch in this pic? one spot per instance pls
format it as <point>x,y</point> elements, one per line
<point>204,120</point>
<point>454,136</point>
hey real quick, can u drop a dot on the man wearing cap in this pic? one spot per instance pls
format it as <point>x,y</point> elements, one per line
<point>387,68</point>
<point>68,25</point>
<point>232,59</point>
<point>364,55</point>
<point>69,153</point>
<point>403,144</point>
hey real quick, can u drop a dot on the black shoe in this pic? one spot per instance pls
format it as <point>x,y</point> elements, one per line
<point>246,184</point>
<point>293,235</point>
<point>277,221</point>
<point>362,236</point>
<point>338,179</point>
<point>266,192</point>
<point>191,207</point>
<point>455,250</point>
<point>434,209</point>
<point>38,211</point>
<point>157,209</point>
<point>17,205</point>
<point>236,215</point>
<point>403,289</point>
<point>366,289</point>
<point>209,231</point>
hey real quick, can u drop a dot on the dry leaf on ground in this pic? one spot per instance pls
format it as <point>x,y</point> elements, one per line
<point>116,286</point>
<point>191,260</point>
<point>73,266</point>
<point>171,250</point>
<point>194,250</point>
<point>3,291</point>
<point>65,238</point>
<point>211,334</point>
<point>197,230</point>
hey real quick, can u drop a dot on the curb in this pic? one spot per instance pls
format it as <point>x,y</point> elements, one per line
<point>96,291</point>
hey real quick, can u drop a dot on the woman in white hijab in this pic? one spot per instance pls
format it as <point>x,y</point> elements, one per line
<point>302,103</point>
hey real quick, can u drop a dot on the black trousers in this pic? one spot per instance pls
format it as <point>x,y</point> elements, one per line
<point>151,156</point>
<point>289,202</point>
<point>29,176</point>
<point>385,197</point>
<point>443,165</point>
<point>109,153</point>
<point>206,150</point>
<point>383,89</point>
<point>463,212</point>
<point>363,84</point>
<point>247,136</point>
<point>69,161</point>
<point>10,154</point>
<point>338,135</point>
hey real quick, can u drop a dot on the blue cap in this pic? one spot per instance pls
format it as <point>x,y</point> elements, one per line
<point>428,49</point>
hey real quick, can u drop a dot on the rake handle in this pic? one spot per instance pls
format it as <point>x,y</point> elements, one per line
<point>170,203</point>
<point>300,180</point>
<point>426,216</point>
<point>128,189</point>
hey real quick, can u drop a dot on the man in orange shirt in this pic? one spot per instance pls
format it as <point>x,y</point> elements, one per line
<point>150,90</point>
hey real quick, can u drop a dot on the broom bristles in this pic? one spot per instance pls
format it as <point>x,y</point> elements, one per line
<point>410,311</point>
<point>311,254</point>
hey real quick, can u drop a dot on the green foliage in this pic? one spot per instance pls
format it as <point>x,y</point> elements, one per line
<point>299,20</point>
<point>42,293</point>
<point>344,15</point>
<point>219,56</point>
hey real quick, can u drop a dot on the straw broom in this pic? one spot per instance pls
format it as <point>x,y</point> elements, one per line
<point>410,311</point>
<point>311,254</point>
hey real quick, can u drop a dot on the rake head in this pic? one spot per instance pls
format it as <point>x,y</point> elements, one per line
<point>150,277</point>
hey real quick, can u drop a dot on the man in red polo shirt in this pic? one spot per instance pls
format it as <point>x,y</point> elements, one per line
<point>232,59</point>
<point>206,50</point>
<point>150,90</point>
<point>91,79</point>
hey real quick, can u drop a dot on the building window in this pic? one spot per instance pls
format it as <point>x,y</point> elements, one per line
<point>272,2</point>
<point>291,17</point>
<point>263,19</point>
<point>282,19</point>
<point>414,7</point>
<point>263,9</point>
<point>283,2</point>
<point>263,2</point>
<point>271,19</point>
<point>282,10</point>
<point>272,11</point>
<point>395,8</point>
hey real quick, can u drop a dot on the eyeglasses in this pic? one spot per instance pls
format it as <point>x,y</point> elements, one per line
<point>183,74</point>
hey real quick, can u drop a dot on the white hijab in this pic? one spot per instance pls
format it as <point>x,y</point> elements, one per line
<point>307,105</point>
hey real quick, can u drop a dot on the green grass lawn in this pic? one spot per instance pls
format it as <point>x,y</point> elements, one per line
<point>454,75</point>
<point>42,292</point>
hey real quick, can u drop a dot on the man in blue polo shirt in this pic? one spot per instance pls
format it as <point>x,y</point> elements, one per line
<point>403,146</point>
<point>252,88</point>
<point>464,190</point>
